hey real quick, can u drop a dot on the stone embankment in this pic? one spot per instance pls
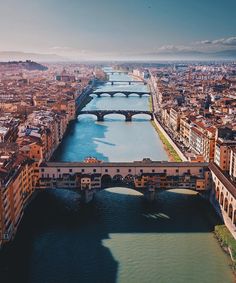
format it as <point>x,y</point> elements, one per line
<point>172,149</point>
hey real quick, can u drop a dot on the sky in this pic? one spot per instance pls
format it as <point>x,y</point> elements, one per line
<point>93,28</point>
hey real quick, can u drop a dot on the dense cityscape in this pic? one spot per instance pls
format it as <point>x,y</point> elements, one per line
<point>194,114</point>
<point>117,141</point>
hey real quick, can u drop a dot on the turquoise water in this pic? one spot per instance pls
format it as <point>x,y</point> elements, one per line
<point>114,139</point>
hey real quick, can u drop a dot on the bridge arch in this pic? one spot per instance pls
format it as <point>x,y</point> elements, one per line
<point>106,180</point>
<point>122,115</point>
<point>234,217</point>
<point>120,93</point>
<point>146,114</point>
<point>221,198</point>
<point>88,115</point>
<point>226,204</point>
<point>217,193</point>
<point>230,213</point>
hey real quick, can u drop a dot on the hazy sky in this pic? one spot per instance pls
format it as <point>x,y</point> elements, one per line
<point>77,27</point>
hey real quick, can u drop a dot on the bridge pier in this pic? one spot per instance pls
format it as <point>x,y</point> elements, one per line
<point>100,118</point>
<point>150,193</point>
<point>128,118</point>
<point>87,196</point>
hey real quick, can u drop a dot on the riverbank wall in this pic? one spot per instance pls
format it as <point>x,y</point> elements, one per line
<point>179,153</point>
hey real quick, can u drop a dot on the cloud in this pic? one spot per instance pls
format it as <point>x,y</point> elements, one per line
<point>225,47</point>
<point>204,42</point>
<point>204,45</point>
<point>230,41</point>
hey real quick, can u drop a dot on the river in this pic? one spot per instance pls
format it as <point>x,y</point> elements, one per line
<point>119,237</point>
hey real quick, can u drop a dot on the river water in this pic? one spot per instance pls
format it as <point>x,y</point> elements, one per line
<point>119,237</point>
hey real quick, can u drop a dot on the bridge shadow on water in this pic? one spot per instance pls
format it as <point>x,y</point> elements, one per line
<point>87,134</point>
<point>61,241</point>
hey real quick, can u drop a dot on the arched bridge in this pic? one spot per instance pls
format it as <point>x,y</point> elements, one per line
<point>146,176</point>
<point>126,93</point>
<point>117,72</point>
<point>127,113</point>
<point>126,82</point>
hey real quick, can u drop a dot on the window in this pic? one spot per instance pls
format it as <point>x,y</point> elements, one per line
<point>153,170</point>
<point>70,170</point>
<point>58,170</point>
<point>106,170</point>
<point>164,170</point>
<point>141,170</point>
<point>94,170</point>
<point>82,170</point>
<point>117,170</point>
<point>42,170</point>
<point>177,170</point>
<point>130,170</point>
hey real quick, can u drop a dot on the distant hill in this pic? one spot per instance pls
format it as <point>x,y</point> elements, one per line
<point>6,56</point>
<point>19,65</point>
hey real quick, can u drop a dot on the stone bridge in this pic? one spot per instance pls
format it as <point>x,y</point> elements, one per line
<point>144,176</point>
<point>131,82</point>
<point>118,72</point>
<point>126,93</point>
<point>127,113</point>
